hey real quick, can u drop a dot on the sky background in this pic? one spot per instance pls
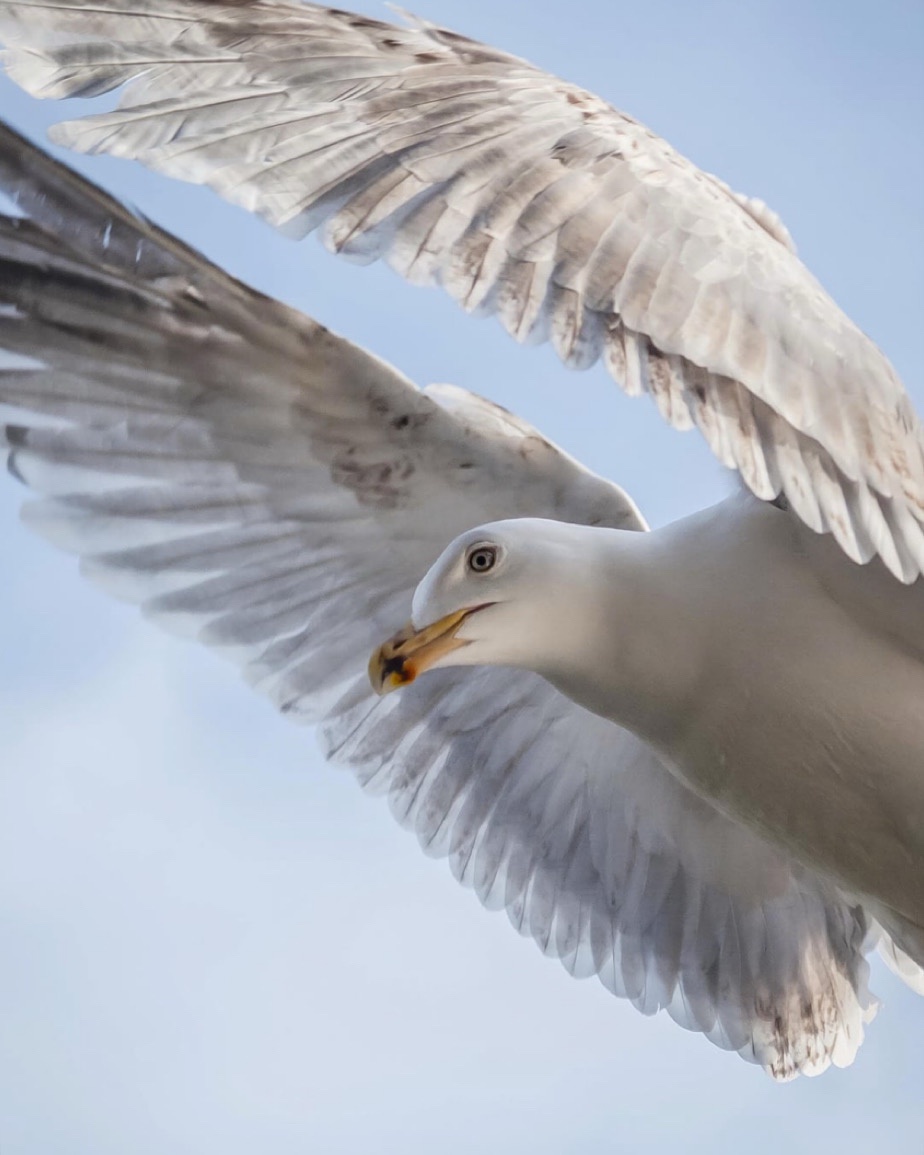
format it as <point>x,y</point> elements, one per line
<point>209,940</point>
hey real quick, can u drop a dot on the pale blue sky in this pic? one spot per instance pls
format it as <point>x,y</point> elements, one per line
<point>211,941</point>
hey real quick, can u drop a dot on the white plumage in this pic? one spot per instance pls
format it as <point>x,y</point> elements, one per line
<point>256,481</point>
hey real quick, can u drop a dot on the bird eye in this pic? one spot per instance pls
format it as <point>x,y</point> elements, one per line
<point>482,558</point>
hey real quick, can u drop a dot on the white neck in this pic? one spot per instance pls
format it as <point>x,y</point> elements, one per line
<point>630,647</point>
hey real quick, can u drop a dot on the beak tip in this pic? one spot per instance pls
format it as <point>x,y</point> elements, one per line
<point>388,673</point>
<point>410,651</point>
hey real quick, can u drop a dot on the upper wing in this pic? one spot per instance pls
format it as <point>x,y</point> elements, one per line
<point>522,195</point>
<point>277,492</point>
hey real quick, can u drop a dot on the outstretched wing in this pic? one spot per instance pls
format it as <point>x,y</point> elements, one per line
<point>271,489</point>
<point>522,195</point>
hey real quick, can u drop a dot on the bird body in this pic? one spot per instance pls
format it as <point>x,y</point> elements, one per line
<point>798,716</point>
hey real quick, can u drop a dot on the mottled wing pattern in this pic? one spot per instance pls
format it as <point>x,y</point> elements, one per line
<point>523,196</point>
<point>253,480</point>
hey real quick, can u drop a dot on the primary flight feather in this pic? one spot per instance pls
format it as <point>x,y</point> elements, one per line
<point>698,773</point>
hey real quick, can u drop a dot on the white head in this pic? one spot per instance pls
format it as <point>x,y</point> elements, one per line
<point>513,593</point>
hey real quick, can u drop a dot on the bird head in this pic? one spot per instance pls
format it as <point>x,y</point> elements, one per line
<point>506,594</point>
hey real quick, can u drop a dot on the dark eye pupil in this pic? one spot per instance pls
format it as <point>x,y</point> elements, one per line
<point>482,559</point>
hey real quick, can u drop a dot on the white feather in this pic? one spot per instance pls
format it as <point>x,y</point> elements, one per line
<point>263,485</point>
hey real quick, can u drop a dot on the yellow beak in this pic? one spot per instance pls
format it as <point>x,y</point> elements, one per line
<point>409,652</point>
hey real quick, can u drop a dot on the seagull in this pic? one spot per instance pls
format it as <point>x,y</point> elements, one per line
<point>688,760</point>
